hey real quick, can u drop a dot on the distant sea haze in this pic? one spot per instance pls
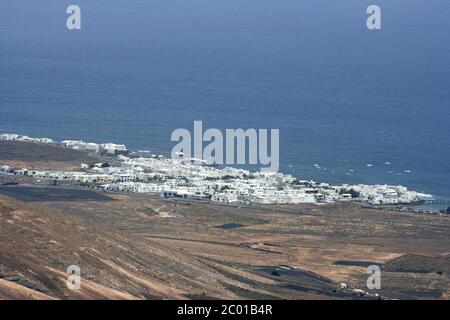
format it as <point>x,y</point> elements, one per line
<point>352,105</point>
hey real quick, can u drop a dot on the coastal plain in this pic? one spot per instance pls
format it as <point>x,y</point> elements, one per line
<point>138,246</point>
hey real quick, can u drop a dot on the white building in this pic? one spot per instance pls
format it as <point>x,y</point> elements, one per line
<point>113,149</point>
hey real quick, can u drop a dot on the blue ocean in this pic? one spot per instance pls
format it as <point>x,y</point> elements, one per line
<point>342,96</point>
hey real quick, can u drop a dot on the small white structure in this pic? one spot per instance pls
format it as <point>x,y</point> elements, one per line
<point>225,197</point>
<point>18,137</point>
<point>113,149</point>
<point>81,145</point>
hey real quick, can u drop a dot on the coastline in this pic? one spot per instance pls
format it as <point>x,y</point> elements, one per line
<point>254,250</point>
<point>118,169</point>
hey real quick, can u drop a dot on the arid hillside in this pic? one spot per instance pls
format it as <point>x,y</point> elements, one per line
<point>142,247</point>
<point>40,155</point>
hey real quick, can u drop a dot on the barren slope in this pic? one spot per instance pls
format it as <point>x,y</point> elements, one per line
<point>142,247</point>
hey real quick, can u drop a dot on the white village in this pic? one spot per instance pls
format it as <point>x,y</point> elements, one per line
<point>196,181</point>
